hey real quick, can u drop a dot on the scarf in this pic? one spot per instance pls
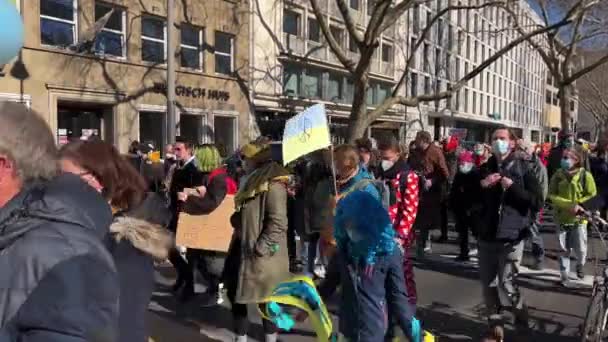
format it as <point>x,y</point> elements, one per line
<point>259,181</point>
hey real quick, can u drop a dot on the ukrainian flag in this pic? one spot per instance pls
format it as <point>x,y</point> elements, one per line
<point>305,133</point>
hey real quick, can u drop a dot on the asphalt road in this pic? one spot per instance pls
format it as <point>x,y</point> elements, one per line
<point>449,303</point>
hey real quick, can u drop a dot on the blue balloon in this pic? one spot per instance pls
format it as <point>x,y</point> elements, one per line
<point>11,31</point>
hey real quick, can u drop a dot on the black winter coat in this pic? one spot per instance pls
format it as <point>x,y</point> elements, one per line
<point>186,177</point>
<point>58,282</point>
<point>465,193</point>
<point>505,215</point>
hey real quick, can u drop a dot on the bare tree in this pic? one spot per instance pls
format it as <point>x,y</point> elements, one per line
<point>593,98</point>
<point>384,15</point>
<point>560,48</point>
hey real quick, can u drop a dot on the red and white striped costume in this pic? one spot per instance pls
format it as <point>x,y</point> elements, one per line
<point>403,215</point>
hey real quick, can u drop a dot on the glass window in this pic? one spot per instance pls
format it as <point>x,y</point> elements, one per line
<point>383,93</point>
<point>334,87</point>
<point>291,80</point>
<point>425,57</point>
<point>427,85</point>
<point>349,91</point>
<point>111,39</point>
<point>58,22</point>
<point>191,47</point>
<point>153,39</point>
<point>416,18</point>
<point>414,85</point>
<point>370,95</point>
<point>291,22</point>
<point>354,4</point>
<point>314,31</point>
<point>311,86</point>
<point>224,53</point>
<point>338,34</point>
<point>387,53</point>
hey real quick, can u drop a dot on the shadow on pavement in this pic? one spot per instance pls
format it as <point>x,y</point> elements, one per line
<point>451,326</point>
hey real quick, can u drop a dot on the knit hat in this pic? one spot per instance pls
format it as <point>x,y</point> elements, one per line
<point>465,157</point>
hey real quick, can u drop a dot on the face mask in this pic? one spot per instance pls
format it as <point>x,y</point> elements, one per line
<point>465,167</point>
<point>387,164</point>
<point>500,147</point>
<point>566,164</point>
<point>479,152</point>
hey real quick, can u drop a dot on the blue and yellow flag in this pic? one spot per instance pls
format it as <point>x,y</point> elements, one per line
<point>305,133</point>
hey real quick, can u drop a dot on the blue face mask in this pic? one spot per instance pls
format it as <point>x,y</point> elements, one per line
<point>500,147</point>
<point>566,164</point>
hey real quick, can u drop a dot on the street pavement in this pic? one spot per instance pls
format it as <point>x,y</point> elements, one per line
<point>449,302</point>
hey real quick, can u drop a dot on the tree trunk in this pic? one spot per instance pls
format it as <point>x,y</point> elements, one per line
<point>565,95</point>
<point>357,123</point>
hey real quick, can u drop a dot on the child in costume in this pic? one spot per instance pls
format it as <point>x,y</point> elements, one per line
<point>371,270</point>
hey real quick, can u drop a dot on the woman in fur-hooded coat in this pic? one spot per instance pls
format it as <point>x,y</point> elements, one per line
<point>137,235</point>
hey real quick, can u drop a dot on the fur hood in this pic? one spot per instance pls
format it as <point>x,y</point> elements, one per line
<point>149,238</point>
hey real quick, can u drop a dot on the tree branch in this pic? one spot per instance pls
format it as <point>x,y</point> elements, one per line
<point>331,40</point>
<point>585,70</point>
<point>396,12</point>
<point>348,22</point>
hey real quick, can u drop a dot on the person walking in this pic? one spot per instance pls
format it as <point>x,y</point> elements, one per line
<point>565,141</point>
<point>526,152</point>
<point>217,184</point>
<point>138,235</point>
<point>403,184</point>
<point>599,170</point>
<point>510,193</point>
<point>429,161</point>
<point>366,149</point>
<point>185,175</point>
<point>257,258</point>
<point>373,285</point>
<point>464,201</point>
<point>569,189</point>
<point>59,282</point>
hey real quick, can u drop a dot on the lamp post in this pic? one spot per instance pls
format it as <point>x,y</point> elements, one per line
<point>170,137</point>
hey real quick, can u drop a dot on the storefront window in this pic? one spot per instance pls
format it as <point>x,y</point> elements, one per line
<point>224,53</point>
<point>83,121</point>
<point>225,134</point>
<point>151,127</point>
<point>111,39</point>
<point>153,40</point>
<point>58,22</point>
<point>291,80</point>
<point>191,128</point>
<point>191,47</point>
<point>334,87</point>
<point>312,84</point>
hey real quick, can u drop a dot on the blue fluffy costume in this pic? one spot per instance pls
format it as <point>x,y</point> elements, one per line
<point>363,229</point>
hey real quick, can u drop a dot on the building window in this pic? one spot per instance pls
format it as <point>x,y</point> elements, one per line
<point>314,31</point>
<point>416,19</point>
<point>291,23</point>
<point>354,4</point>
<point>153,39</point>
<point>224,53</point>
<point>291,80</point>
<point>572,105</point>
<point>111,39</point>
<point>191,48</point>
<point>311,87</point>
<point>425,57</point>
<point>383,93</point>
<point>338,34</point>
<point>556,100</point>
<point>548,97</point>
<point>427,85</point>
<point>352,45</point>
<point>58,22</point>
<point>414,85</point>
<point>387,53</point>
<point>349,91</point>
<point>334,87</point>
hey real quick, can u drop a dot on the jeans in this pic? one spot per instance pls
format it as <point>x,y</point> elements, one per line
<point>572,238</point>
<point>499,264</point>
<point>464,227</point>
<point>538,246</point>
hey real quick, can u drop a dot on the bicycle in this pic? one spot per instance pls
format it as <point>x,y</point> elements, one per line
<point>596,317</point>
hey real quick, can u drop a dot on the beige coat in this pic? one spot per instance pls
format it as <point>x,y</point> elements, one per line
<point>263,222</point>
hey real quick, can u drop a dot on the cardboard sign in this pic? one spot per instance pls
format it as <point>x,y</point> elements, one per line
<point>212,232</point>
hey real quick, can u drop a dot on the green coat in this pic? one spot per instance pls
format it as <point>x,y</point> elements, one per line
<point>264,258</point>
<point>566,192</point>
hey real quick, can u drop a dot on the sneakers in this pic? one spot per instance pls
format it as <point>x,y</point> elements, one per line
<point>212,297</point>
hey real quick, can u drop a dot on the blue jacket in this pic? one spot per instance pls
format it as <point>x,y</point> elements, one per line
<point>58,282</point>
<point>362,174</point>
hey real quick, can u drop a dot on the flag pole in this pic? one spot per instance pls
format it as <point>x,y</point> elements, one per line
<point>333,168</point>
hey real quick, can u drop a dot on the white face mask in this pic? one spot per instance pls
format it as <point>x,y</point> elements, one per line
<point>465,167</point>
<point>387,164</point>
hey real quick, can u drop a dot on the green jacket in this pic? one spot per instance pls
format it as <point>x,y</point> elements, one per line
<point>566,192</point>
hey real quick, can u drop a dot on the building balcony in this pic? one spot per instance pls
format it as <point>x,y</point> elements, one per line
<point>316,50</point>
